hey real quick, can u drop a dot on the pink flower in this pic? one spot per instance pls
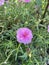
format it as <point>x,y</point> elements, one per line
<point>24,1</point>
<point>24,35</point>
<point>48,28</point>
<point>2,2</point>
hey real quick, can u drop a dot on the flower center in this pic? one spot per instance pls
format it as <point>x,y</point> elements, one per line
<point>25,34</point>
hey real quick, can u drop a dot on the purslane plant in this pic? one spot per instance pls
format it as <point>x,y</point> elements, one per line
<point>24,32</point>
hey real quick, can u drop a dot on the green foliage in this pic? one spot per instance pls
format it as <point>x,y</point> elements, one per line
<point>14,15</point>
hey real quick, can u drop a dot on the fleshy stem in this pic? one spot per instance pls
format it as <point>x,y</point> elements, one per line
<point>43,16</point>
<point>10,55</point>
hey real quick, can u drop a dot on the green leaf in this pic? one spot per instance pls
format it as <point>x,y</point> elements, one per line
<point>39,2</point>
